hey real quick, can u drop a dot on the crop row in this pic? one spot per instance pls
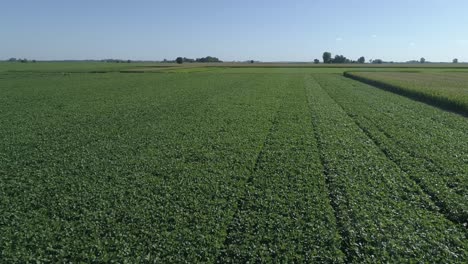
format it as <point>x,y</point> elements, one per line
<point>203,167</point>
<point>447,91</point>
<point>383,215</point>
<point>285,214</point>
<point>432,152</point>
<point>125,167</point>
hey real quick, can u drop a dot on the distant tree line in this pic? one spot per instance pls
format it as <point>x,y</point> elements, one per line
<point>207,59</point>
<point>327,58</point>
<point>20,60</point>
<point>422,60</point>
<point>377,61</point>
<point>116,61</point>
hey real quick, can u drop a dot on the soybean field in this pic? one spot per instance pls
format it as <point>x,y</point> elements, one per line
<point>229,165</point>
<point>443,89</point>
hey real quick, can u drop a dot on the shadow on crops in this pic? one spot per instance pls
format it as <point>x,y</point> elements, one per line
<point>440,102</point>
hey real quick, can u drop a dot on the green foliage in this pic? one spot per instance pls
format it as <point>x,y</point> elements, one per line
<point>224,165</point>
<point>340,59</point>
<point>447,90</point>
<point>122,166</point>
<point>286,198</point>
<point>74,67</point>
<point>208,59</point>
<point>431,152</point>
<point>361,60</point>
<point>327,57</point>
<point>382,214</point>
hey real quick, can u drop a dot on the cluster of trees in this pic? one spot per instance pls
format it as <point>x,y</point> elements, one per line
<point>327,58</point>
<point>376,61</point>
<point>208,59</point>
<point>181,60</point>
<point>20,60</point>
<point>422,60</point>
<point>116,61</point>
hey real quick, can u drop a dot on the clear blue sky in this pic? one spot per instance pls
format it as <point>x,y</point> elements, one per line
<point>267,30</point>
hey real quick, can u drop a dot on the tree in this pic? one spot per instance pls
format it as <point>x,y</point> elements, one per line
<point>208,59</point>
<point>327,57</point>
<point>455,60</point>
<point>12,60</point>
<point>340,59</point>
<point>377,61</point>
<point>187,60</point>
<point>361,60</point>
<point>422,60</point>
<point>316,61</point>
<point>179,60</point>
<point>252,61</point>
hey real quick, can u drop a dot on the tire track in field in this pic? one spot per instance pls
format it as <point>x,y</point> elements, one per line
<point>242,200</point>
<point>440,207</point>
<point>343,232</point>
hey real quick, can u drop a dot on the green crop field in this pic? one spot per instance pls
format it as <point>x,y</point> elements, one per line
<point>135,163</point>
<point>445,89</point>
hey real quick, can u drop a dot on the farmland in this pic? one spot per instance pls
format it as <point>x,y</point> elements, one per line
<point>229,164</point>
<point>445,89</point>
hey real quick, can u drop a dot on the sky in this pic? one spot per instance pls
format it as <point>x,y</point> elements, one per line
<point>234,30</point>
